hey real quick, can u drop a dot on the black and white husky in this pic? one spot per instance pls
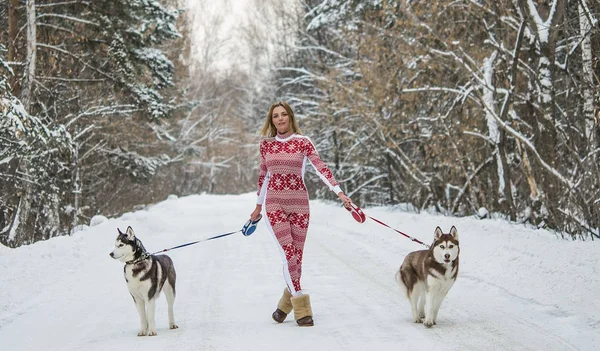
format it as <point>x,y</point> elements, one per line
<point>146,276</point>
<point>426,276</point>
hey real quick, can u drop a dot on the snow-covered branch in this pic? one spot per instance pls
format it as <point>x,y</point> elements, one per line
<point>70,18</point>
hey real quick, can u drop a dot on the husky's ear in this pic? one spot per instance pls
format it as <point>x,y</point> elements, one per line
<point>130,234</point>
<point>120,232</point>
<point>454,232</point>
<point>438,233</point>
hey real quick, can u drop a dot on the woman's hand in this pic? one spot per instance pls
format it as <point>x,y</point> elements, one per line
<point>256,213</point>
<point>345,199</point>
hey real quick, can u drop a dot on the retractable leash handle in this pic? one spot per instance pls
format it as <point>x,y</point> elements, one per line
<point>357,213</point>
<point>250,226</point>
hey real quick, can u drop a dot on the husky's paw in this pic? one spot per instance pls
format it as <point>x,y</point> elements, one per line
<point>173,326</point>
<point>418,320</point>
<point>421,314</point>
<point>152,333</point>
<point>428,323</point>
<point>142,333</point>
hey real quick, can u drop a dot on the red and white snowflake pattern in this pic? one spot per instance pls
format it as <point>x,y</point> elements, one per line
<point>287,199</point>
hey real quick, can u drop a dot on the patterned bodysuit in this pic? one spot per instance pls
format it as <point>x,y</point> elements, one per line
<point>281,187</point>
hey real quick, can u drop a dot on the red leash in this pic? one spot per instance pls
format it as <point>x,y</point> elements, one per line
<point>360,217</point>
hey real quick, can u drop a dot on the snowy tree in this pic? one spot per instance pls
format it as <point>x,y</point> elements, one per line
<point>464,107</point>
<point>96,77</point>
<point>32,168</point>
<point>456,106</point>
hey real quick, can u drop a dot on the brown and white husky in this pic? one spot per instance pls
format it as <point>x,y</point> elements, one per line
<point>426,276</point>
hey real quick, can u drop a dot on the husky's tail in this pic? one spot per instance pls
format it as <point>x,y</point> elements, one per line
<point>400,282</point>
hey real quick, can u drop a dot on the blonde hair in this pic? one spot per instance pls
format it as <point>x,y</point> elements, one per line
<point>269,130</point>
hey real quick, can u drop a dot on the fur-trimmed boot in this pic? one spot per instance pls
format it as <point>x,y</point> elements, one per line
<point>302,310</point>
<point>284,307</point>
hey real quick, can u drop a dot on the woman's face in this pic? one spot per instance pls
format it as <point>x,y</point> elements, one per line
<point>281,120</point>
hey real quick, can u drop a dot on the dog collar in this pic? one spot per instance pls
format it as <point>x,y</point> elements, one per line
<point>139,259</point>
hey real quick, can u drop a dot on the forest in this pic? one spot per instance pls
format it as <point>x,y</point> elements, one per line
<point>465,108</point>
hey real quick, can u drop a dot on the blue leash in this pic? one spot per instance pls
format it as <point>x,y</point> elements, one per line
<point>247,230</point>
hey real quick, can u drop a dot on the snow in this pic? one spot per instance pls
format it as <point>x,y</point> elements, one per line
<point>545,76</point>
<point>490,110</point>
<point>333,12</point>
<point>97,219</point>
<point>488,96</point>
<point>542,26</point>
<point>517,289</point>
<point>158,62</point>
<point>483,212</point>
<point>13,229</point>
<point>584,11</point>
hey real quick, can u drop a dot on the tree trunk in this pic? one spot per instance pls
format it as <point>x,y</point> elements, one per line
<point>490,111</point>
<point>13,30</point>
<point>543,20</point>
<point>19,227</point>
<point>586,21</point>
<point>533,188</point>
<point>76,191</point>
<point>588,72</point>
<point>31,56</point>
<point>508,205</point>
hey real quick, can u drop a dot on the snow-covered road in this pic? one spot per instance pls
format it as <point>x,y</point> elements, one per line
<point>518,289</point>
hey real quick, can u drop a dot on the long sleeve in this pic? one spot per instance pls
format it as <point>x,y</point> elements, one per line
<point>263,177</point>
<point>321,168</point>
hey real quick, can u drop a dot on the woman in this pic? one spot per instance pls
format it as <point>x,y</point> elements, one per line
<point>283,158</point>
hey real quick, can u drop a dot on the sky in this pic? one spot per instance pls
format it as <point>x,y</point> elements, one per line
<point>517,289</point>
<point>221,30</point>
<point>215,28</point>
